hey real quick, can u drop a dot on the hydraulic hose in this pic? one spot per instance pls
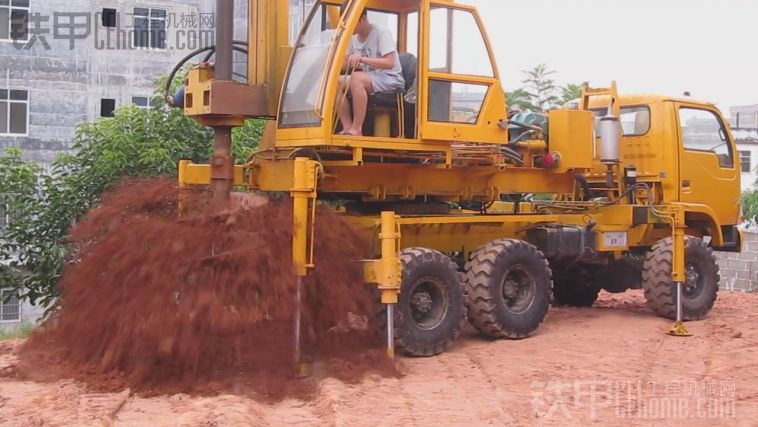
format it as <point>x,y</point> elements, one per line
<point>525,126</point>
<point>523,136</point>
<point>512,155</point>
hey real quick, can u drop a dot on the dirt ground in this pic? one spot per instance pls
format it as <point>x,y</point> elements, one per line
<point>610,365</point>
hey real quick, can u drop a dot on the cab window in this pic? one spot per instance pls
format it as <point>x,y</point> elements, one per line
<point>412,25</point>
<point>702,130</point>
<point>635,121</point>
<point>461,102</point>
<point>301,102</point>
<point>458,50</point>
<point>457,45</point>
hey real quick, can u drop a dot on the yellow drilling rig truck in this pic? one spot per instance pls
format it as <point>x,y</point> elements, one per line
<point>475,212</point>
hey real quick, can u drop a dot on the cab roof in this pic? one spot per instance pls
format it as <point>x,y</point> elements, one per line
<point>643,98</point>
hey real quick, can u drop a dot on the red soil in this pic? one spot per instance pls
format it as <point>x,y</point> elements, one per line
<point>545,380</point>
<point>162,303</point>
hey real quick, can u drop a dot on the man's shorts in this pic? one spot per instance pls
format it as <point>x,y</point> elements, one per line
<point>385,82</point>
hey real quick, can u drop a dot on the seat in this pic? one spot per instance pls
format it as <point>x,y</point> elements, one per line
<point>382,104</point>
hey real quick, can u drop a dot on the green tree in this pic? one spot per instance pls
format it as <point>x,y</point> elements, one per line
<point>540,92</point>
<point>134,143</point>
<point>570,92</point>
<point>18,194</point>
<point>519,99</point>
<point>540,88</point>
<point>18,178</point>
<point>19,203</point>
<point>750,206</point>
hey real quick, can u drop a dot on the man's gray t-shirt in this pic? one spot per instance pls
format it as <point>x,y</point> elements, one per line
<point>378,44</point>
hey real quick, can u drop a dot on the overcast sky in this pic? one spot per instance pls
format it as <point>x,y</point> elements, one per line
<point>706,47</point>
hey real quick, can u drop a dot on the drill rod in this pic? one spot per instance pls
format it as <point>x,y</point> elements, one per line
<point>222,163</point>
<point>390,330</point>
<point>298,319</point>
<point>222,168</point>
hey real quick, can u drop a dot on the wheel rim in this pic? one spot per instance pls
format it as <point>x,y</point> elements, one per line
<point>693,284</point>
<point>428,303</point>
<point>518,289</point>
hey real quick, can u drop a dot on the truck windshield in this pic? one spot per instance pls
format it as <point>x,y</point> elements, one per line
<point>303,91</point>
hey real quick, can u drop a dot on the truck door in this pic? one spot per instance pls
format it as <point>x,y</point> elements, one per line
<point>463,98</point>
<point>708,168</point>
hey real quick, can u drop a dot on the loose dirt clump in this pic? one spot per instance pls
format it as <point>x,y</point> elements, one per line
<point>161,302</point>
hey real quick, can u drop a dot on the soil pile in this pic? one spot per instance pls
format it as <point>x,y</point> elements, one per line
<point>157,301</point>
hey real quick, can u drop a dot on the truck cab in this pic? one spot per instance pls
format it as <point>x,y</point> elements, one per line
<point>685,150</point>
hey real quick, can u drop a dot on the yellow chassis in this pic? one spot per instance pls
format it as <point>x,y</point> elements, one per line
<point>460,232</point>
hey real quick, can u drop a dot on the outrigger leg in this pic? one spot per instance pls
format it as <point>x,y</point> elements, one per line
<point>678,274</point>
<point>303,218</point>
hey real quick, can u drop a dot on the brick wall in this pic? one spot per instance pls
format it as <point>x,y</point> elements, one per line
<point>66,85</point>
<point>739,272</point>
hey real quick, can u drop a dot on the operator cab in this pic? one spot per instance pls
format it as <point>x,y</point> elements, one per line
<point>450,89</point>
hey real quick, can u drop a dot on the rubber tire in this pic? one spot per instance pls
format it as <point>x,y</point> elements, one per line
<point>660,290</point>
<point>484,274</point>
<point>410,340</point>
<point>575,287</point>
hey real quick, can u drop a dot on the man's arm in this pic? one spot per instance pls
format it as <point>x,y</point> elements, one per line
<point>387,62</point>
<point>349,65</point>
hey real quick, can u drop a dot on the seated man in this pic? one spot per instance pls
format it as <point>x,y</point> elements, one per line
<point>373,49</point>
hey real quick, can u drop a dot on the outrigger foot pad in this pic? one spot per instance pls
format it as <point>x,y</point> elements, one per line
<point>679,330</point>
<point>303,370</point>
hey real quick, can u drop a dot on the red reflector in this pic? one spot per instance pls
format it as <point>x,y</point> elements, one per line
<point>548,161</point>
